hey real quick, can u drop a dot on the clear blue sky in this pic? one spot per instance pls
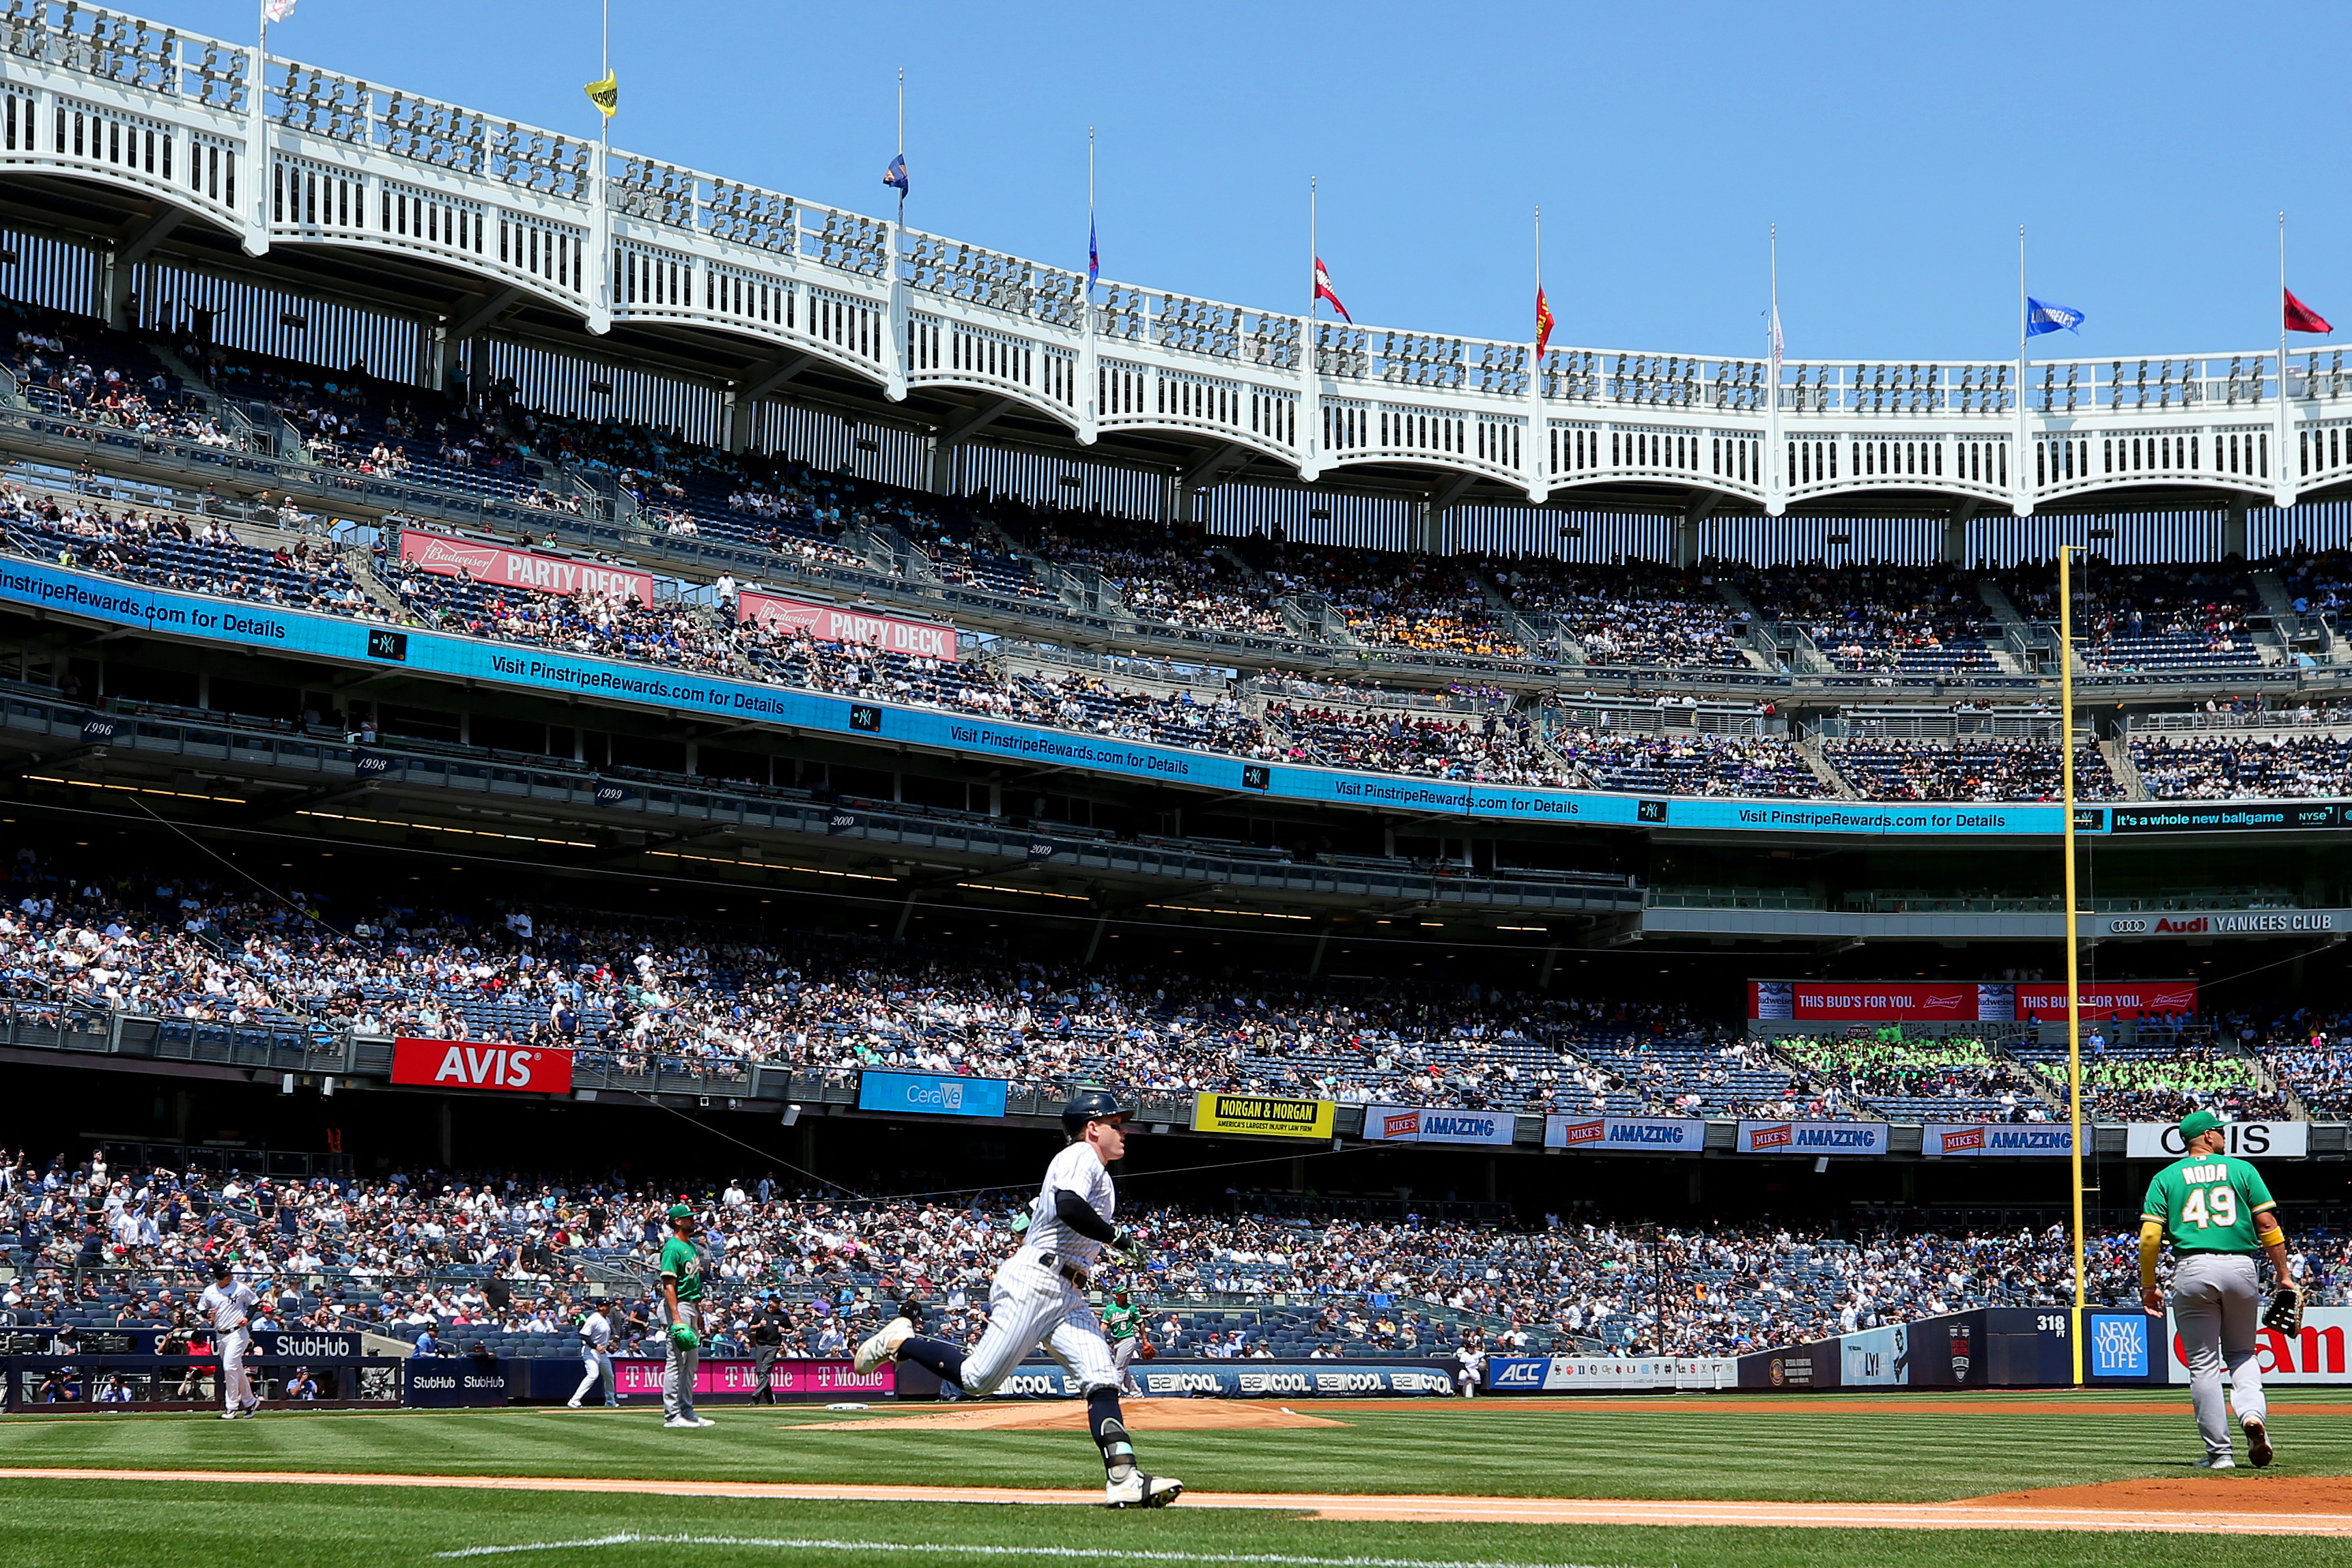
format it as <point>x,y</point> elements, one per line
<point>2146,147</point>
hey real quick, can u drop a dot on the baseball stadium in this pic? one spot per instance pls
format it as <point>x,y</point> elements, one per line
<point>983,914</point>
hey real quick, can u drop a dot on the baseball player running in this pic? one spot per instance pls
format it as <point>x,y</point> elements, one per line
<point>1038,1296</point>
<point>683,1263</point>
<point>595,1357</point>
<point>2219,1217</point>
<point>229,1304</point>
<point>1124,1324</point>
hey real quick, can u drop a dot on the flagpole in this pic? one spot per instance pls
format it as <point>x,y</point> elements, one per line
<point>2018,488</point>
<point>1776,455</point>
<point>902,143</point>
<point>1314,259</point>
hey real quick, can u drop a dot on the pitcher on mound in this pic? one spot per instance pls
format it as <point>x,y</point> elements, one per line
<point>1038,1297</point>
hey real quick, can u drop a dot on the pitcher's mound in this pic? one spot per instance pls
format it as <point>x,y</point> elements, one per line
<point>1070,1416</point>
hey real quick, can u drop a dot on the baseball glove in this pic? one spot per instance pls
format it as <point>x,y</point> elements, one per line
<point>1145,1350</point>
<point>2286,1312</point>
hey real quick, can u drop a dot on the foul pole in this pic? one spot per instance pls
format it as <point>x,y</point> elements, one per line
<point>2073,946</point>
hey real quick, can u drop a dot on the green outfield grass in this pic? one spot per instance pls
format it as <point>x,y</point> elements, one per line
<point>1799,1449</point>
<point>1794,1452</point>
<point>94,1524</point>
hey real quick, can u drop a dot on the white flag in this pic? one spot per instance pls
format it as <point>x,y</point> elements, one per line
<point>1778,349</point>
<point>279,10</point>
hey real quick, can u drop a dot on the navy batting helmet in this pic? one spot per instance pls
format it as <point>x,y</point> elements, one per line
<point>1089,1105</point>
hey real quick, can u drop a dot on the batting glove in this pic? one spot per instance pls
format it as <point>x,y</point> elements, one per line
<point>1130,1247</point>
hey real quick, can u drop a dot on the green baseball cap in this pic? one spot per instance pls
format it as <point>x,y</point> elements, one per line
<point>2197,1122</point>
<point>680,1211</point>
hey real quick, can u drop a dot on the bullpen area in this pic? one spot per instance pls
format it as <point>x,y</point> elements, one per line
<point>2043,1477</point>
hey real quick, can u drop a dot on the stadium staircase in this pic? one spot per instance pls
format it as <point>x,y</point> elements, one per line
<point>1761,647</point>
<point>2117,752</point>
<point>2014,651</point>
<point>1810,747</point>
<point>2296,632</point>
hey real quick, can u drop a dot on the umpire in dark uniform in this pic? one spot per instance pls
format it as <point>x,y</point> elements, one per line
<point>767,1336</point>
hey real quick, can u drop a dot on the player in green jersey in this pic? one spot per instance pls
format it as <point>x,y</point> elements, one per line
<point>684,1262</point>
<point>2219,1217</point>
<point>1123,1322</point>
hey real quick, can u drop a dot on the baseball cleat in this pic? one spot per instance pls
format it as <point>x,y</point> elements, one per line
<point>229,1415</point>
<point>702,1421</point>
<point>1140,1491</point>
<point>2259,1452</point>
<point>2217,1462</point>
<point>678,1422</point>
<point>881,1345</point>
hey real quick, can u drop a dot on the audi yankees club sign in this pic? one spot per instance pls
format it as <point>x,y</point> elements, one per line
<point>478,1064</point>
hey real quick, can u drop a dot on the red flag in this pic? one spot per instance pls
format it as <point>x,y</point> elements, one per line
<point>1323,291</point>
<point>1543,322</point>
<point>2302,317</point>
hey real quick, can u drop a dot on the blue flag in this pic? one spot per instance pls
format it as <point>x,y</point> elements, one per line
<point>2042,318</point>
<point>896,174</point>
<point>1094,257</point>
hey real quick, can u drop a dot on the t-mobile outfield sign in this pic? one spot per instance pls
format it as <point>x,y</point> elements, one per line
<point>466,1064</point>
<point>1435,1124</point>
<point>502,567</point>
<point>847,623</point>
<point>1805,1002</point>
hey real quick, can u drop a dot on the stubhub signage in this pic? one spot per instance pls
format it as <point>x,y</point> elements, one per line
<point>1671,1134</point>
<point>929,1094</point>
<point>1811,1138</point>
<point>1437,1124</point>
<point>547,672</point>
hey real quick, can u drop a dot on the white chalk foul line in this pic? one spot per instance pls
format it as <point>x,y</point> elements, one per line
<point>1094,1553</point>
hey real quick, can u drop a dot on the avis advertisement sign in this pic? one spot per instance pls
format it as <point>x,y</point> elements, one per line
<point>1950,1140</point>
<point>1811,1138</point>
<point>463,1064</point>
<point>1868,1001</point>
<point>2314,1356</point>
<point>846,623</point>
<point>503,567</point>
<point>1436,1124</point>
<point>2248,1140</point>
<point>1672,1134</point>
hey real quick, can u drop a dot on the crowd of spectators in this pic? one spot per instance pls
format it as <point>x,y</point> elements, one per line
<point>1630,612</point>
<point>1688,762</point>
<point>1973,1077</point>
<point>2208,764</point>
<point>1888,768</point>
<point>1493,750</point>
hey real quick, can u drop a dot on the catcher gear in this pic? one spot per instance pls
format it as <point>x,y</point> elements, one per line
<point>2286,1312</point>
<point>1089,1105</point>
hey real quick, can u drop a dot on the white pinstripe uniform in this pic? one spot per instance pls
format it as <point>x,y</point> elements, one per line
<point>229,1311</point>
<point>1038,1295</point>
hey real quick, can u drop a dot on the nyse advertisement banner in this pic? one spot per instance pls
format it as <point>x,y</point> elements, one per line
<point>928,1094</point>
<point>1607,1373</point>
<point>500,567</point>
<point>1670,1135</point>
<point>1952,1140</point>
<point>477,1064</point>
<point>1808,1002</point>
<point>2315,1355</point>
<point>847,623</point>
<point>1811,1138</point>
<point>1259,1116</point>
<point>1432,1124</point>
<point>232,623</point>
<point>2248,1140</point>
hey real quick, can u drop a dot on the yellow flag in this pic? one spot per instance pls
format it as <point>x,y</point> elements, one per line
<point>605,95</point>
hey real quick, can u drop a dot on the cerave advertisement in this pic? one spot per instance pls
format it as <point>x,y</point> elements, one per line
<point>1953,1139</point>
<point>503,567</point>
<point>1811,1138</point>
<point>1676,1133</point>
<point>929,1094</point>
<point>845,623</point>
<point>1436,1124</point>
<point>1259,1116</point>
<point>473,1064</point>
<point>2248,1140</point>
<point>1605,1374</point>
<point>2316,1354</point>
<point>1987,1002</point>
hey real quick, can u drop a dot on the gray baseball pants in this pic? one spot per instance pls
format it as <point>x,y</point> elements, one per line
<point>2217,1302</point>
<point>679,1371</point>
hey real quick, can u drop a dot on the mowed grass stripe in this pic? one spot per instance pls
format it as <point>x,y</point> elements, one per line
<point>1612,1451</point>
<point>104,1524</point>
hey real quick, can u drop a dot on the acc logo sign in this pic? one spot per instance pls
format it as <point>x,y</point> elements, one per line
<point>1515,1374</point>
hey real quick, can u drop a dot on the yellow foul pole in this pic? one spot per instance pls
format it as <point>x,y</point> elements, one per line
<point>2074,948</point>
